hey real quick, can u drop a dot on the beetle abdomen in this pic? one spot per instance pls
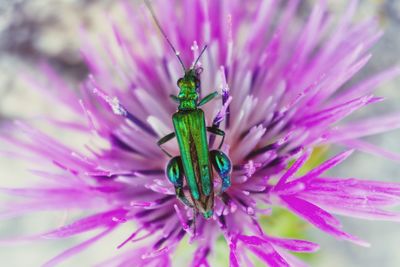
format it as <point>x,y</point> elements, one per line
<point>191,134</point>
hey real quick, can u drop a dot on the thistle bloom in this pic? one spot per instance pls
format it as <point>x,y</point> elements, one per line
<point>283,93</point>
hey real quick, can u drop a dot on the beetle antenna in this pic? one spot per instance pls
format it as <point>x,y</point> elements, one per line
<point>201,53</point>
<point>150,8</point>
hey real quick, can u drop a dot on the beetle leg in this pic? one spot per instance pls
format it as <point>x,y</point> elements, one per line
<point>223,166</point>
<point>175,176</point>
<point>174,98</point>
<point>217,131</point>
<point>179,193</point>
<point>165,139</point>
<point>207,98</point>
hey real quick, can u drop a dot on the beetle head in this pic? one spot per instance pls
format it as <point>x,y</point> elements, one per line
<point>189,85</point>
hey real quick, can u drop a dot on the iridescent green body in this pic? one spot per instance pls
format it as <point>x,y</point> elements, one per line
<point>194,164</point>
<point>190,131</point>
<point>196,160</point>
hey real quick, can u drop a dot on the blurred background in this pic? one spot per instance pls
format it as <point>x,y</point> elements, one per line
<point>36,31</point>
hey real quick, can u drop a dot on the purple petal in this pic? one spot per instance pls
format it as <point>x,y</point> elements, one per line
<point>318,217</point>
<point>270,256</point>
<point>329,164</point>
<point>294,245</point>
<point>372,149</point>
<point>355,198</point>
<point>76,249</point>
<point>106,219</point>
<point>338,112</point>
<point>364,128</point>
<point>292,170</point>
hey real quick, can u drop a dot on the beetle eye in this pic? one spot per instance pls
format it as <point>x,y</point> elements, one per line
<point>179,82</point>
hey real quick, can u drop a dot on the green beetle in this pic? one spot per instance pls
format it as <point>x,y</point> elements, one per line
<point>195,162</point>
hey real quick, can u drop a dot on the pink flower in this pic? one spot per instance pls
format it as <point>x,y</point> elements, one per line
<point>283,94</point>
